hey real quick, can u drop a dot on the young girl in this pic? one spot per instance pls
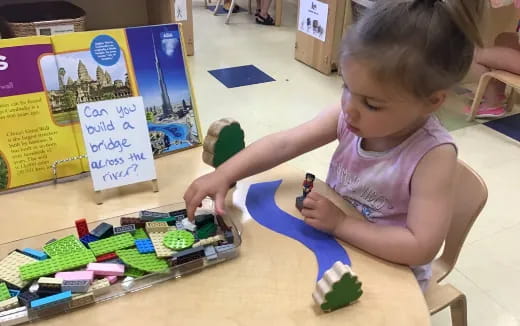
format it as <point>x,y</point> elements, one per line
<point>395,162</point>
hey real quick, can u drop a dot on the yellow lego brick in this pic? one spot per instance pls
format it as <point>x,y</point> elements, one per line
<point>160,249</point>
<point>9,304</point>
<point>9,268</point>
<point>153,227</point>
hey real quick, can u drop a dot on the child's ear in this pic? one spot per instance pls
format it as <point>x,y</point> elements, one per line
<point>437,99</point>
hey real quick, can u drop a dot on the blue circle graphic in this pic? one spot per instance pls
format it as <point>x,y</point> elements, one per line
<point>105,50</point>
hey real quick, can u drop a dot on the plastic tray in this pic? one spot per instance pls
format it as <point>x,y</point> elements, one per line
<point>123,286</point>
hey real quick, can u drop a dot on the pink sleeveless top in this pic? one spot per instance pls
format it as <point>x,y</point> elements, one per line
<point>378,184</point>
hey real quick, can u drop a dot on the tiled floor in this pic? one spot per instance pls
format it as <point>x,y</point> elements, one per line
<point>489,265</point>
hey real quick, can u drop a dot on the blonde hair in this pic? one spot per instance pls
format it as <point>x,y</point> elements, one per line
<point>424,45</point>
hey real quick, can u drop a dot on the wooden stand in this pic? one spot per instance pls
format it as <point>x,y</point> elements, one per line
<point>98,195</point>
<point>323,56</point>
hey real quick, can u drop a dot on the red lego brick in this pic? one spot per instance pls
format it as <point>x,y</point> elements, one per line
<point>105,257</point>
<point>82,228</point>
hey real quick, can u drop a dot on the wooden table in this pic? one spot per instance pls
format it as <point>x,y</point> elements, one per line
<point>270,282</point>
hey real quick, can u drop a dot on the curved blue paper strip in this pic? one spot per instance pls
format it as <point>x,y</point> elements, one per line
<point>262,207</point>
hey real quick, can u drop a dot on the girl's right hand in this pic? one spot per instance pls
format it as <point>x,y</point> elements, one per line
<point>214,185</point>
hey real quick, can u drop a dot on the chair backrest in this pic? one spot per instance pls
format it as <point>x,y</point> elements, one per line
<point>470,197</point>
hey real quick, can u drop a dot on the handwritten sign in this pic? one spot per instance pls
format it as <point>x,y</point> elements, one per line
<point>117,142</point>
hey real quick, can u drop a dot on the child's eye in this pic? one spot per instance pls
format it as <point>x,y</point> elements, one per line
<point>371,107</point>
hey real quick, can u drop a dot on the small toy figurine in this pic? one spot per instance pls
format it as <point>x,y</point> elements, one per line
<point>308,184</point>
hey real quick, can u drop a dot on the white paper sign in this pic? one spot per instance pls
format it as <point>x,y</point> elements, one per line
<point>53,30</point>
<point>117,141</point>
<point>312,19</point>
<point>181,13</point>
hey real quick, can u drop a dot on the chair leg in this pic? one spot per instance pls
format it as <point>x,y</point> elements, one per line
<point>206,4</point>
<point>230,11</point>
<point>249,9</point>
<point>482,85</point>
<point>278,13</point>
<point>459,314</point>
<point>217,5</point>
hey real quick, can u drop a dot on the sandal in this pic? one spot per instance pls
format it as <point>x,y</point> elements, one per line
<point>265,20</point>
<point>487,112</point>
<point>257,13</point>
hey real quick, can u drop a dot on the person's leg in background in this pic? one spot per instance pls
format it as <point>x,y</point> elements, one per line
<point>263,17</point>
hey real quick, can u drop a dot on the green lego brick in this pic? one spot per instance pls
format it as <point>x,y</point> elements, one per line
<point>178,239</point>
<point>133,272</point>
<point>57,264</point>
<point>140,234</point>
<point>4,292</point>
<point>63,246</point>
<point>207,230</point>
<point>169,220</point>
<point>112,244</point>
<point>145,262</point>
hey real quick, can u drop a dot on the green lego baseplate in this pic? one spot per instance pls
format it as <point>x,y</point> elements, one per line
<point>133,272</point>
<point>56,264</point>
<point>145,262</point>
<point>140,234</point>
<point>4,292</point>
<point>63,246</point>
<point>112,244</point>
<point>206,231</point>
<point>178,239</point>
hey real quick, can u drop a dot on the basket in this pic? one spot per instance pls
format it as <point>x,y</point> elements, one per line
<point>42,18</point>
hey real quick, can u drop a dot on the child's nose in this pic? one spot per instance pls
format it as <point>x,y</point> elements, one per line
<point>349,108</point>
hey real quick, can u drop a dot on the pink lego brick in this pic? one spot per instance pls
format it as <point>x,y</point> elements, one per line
<point>76,276</point>
<point>105,269</point>
<point>112,279</point>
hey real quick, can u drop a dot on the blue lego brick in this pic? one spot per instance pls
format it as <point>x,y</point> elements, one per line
<point>103,230</point>
<point>51,300</point>
<point>88,239</point>
<point>144,246</point>
<point>36,254</point>
<point>14,293</point>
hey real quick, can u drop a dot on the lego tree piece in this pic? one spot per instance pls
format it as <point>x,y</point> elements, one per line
<point>10,303</point>
<point>4,292</point>
<point>106,257</point>
<point>140,234</point>
<point>63,246</point>
<point>207,230</point>
<point>202,219</point>
<point>9,268</point>
<point>124,228</point>
<point>178,239</point>
<point>14,316</point>
<point>103,269</point>
<point>133,272</point>
<point>112,244</point>
<point>76,276</point>
<point>153,227</point>
<point>160,249</point>
<point>86,240</point>
<point>145,262</point>
<point>209,241</point>
<point>82,227</point>
<point>152,216</point>
<point>225,138</point>
<point>82,300</point>
<point>36,254</point>
<point>51,300</point>
<point>76,286</point>
<point>144,246</point>
<point>132,220</point>
<point>338,287</point>
<point>187,225</point>
<point>56,264</point>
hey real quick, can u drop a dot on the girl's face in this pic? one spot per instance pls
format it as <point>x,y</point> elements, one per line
<point>374,109</point>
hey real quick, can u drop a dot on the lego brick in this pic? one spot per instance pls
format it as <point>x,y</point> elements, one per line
<point>103,230</point>
<point>140,234</point>
<point>106,257</point>
<point>153,227</point>
<point>50,241</point>
<point>50,310</point>
<point>82,227</point>
<point>103,269</point>
<point>209,241</point>
<point>82,300</point>
<point>9,304</point>
<point>133,272</point>
<point>210,252</point>
<point>36,254</point>
<point>152,216</point>
<point>133,220</point>
<point>9,268</point>
<point>207,230</point>
<point>170,220</point>
<point>226,251</point>
<point>14,293</point>
<point>81,286</point>
<point>179,225</point>
<point>63,246</point>
<point>25,298</point>
<point>188,255</point>
<point>86,240</point>
<point>112,279</point>
<point>160,249</point>
<point>228,235</point>
<point>178,239</point>
<point>112,244</point>
<point>4,292</point>
<point>181,212</point>
<point>51,300</point>
<point>188,225</point>
<point>33,288</point>
<point>100,287</point>
<point>202,219</point>
<point>14,316</point>
<point>76,276</point>
<point>49,286</point>
<point>144,246</point>
<point>124,228</point>
<point>56,264</point>
<point>145,262</point>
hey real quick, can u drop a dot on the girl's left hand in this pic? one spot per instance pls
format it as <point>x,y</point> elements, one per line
<point>320,213</point>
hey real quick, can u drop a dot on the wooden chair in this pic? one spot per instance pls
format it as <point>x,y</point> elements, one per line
<point>507,78</point>
<point>470,197</point>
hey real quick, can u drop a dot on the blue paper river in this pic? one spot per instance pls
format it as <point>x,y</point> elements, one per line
<point>262,207</point>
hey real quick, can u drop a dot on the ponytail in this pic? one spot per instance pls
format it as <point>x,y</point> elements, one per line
<point>467,14</point>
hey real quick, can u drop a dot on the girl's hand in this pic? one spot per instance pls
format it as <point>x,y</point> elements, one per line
<point>213,184</point>
<point>321,213</point>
